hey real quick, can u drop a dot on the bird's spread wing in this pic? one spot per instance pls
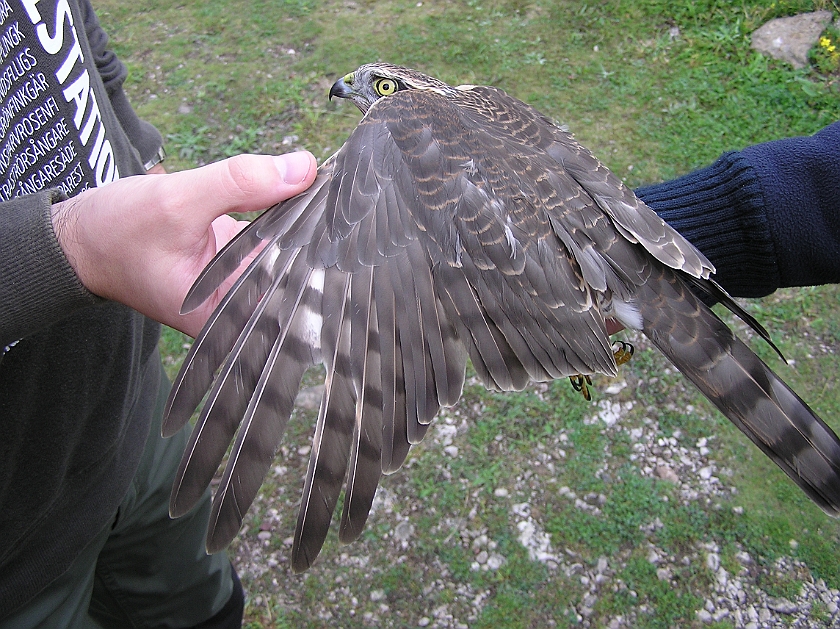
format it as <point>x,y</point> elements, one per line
<point>447,227</point>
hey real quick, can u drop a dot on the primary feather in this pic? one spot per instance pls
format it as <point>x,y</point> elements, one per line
<point>455,222</point>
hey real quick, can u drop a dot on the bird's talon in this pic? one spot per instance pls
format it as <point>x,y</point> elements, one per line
<point>623,353</point>
<point>582,383</point>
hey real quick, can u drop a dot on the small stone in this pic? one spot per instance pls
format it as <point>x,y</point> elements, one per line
<point>720,615</point>
<point>704,616</point>
<point>663,574</point>
<point>495,561</point>
<point>377,595</point>
<point>615,387</point>
<point>501,492</point>
<point>712,561</point>
<point>743,558</point>
<point>451,451</point>
<point>424,622</point>
<point>782,605</point>
<point>403,531</point>
<point>666,473</point>
<point>264,536</point>
<point>705,473</point>
<point>482,557</point>
<point>602,565</point>
<point>310,397</point>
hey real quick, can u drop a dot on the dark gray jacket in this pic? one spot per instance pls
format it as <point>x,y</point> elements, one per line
<point>80,378</point>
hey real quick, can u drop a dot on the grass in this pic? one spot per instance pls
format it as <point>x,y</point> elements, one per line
<point>655,88</point>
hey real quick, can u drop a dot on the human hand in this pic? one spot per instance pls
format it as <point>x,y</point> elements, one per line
<point>142,241</point>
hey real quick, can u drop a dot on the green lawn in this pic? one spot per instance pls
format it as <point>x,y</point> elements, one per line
<point>655,88</point>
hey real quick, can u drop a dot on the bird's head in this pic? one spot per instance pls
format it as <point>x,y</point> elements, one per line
<point>373,81</point>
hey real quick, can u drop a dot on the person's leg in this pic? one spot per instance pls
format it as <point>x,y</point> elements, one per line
<point>153,571</point>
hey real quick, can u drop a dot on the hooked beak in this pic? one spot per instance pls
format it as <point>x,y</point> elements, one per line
<point>340,89</point>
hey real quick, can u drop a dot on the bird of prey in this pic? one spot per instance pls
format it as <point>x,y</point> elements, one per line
<point>454,223</point>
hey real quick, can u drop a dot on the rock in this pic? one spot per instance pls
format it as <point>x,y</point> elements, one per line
<point>743,558</point>
<point>720,615</point>
<point>615,387</point>
<point>377,595</point>
<point>712,561</point>
<point>403,531</point>
<point>310,397</point>
<point>704,616</point>
<point>601,568</point>
<point>790,38</point>
<point>782,605</point>
<point>666,473</point>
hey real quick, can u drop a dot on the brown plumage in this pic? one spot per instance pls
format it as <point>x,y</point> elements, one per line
<point>453,223</point>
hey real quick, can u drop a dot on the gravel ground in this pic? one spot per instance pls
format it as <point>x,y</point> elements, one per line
<point>340,590</point>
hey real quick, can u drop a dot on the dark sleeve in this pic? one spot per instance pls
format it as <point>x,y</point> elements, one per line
<point>37,284</point>
<point>145,138</point>
<point>767,217</point>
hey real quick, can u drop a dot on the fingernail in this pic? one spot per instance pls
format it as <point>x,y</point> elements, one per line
<point>293,167</point>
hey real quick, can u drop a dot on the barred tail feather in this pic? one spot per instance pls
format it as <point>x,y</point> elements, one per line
<point>743,388</point>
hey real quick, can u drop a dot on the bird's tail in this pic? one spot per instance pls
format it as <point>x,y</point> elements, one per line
<point>743,388</point>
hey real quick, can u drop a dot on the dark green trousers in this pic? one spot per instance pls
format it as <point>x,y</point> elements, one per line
<point>143,569</point>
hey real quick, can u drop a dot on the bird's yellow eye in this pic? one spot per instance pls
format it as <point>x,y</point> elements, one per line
<point>385,87</point>
<point>348,78</point>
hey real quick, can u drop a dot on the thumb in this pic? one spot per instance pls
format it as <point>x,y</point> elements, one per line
<point>247,183</point>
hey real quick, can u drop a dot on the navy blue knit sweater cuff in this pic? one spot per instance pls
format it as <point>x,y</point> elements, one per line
<point>720,209</point>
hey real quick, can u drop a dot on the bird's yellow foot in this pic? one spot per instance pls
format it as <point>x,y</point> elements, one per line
<point>622,352</point>
<point>582,383</point>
